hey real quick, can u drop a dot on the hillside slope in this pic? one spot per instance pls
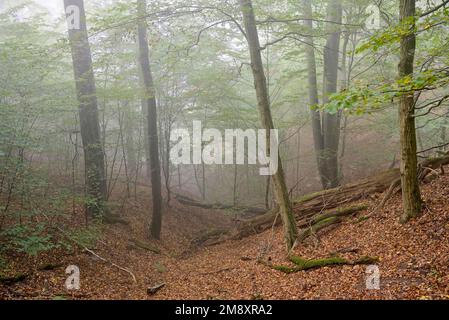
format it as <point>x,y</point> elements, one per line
<point>414,259</point>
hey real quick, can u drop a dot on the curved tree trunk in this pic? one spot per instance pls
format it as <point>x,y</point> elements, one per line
<point>280,187</point>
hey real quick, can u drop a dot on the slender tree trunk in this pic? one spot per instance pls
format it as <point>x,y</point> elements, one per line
<point>146,140</point>
<point>124,155</point>
<point>203,181</point>
<point>318,138</point>
<point>179,177</point>
<point>443,133</point>
<point>234,187</point>
<point>267,193</point>
<point>290,231</point>
<point>298,162</point>
<point>130,141</point>
<point>88,113</point>
<point>344,83</point>
<point>411,195</point>
<point>331,122</point>
<point>150,105</point>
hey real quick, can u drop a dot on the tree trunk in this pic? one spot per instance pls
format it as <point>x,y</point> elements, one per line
<point>313,94</point>
<point>150,105</point>
<point>88,113</point>
<point>331,122</point>
<point>234,187</point>
<point>411,196</point>
<point>130,141</point>
<point>146,142</point>
<point>267,193</point>
<point>443,134</point>
<point>290,231</point>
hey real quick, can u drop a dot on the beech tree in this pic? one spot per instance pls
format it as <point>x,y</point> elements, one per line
<point>149,103</point>
<point>309,49</point>
<point>88,109</point>
<point>325,125</point>
<point>260,82</point>
<point>331,121</point>
<point>411,195</point>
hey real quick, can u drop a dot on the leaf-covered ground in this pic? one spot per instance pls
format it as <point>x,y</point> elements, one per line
<point>414,259</point>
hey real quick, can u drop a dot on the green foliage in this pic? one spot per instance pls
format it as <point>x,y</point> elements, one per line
<point>358,100</point>
<point>159,267</point>
<point>27,239</point>
<point>87,236</point>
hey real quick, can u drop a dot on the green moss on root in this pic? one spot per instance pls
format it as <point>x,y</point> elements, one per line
<point>366,260</point>
<point>284,269</point>
<point>302,264</point>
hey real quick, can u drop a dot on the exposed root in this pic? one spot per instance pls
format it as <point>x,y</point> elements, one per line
<point>321,221</point>
<point>9,280</point>
<point>301,264</point>
<point>145,246</point>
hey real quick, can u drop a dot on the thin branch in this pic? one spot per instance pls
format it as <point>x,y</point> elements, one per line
<point>432,148</point>
<point>438,103</point>
<point>443,4</point>
<point>275,20</point>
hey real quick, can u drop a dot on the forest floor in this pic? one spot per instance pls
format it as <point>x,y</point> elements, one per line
<point>414,259</point>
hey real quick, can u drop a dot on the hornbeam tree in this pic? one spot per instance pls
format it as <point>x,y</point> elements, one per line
<point>260,82</point>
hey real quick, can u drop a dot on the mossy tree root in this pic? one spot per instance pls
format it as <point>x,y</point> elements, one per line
<point>327,219</point>
<point>8,280</point>
<point>301,264</point>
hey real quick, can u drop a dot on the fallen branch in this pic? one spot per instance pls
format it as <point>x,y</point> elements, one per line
<point>145,246</point>
<point>112,263</point>
<point>64,233</point>
<point>155,289</point>
<point>306,207</point>
<point>8,280</point>
<point>217,271</point>
<point>301,264</point>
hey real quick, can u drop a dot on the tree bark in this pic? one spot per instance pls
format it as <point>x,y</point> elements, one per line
<point>130,141</point>
<point>260,82</point>
<point>411,195</point>
<point>150,105</point>
<point>331,122</point>
<point>88,112</point>
<point>318,139</point>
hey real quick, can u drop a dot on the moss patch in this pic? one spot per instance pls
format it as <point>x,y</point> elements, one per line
<point>302,264</point>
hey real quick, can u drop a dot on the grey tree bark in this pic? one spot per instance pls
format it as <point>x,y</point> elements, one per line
<point>325,126</point>
<point>331,122</point>
<point>318,138</point>
<point>150,104</point>
<point>260,82</point>
<point>88,113</point>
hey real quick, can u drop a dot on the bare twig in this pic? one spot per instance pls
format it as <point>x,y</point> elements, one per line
<point>91,251</point>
